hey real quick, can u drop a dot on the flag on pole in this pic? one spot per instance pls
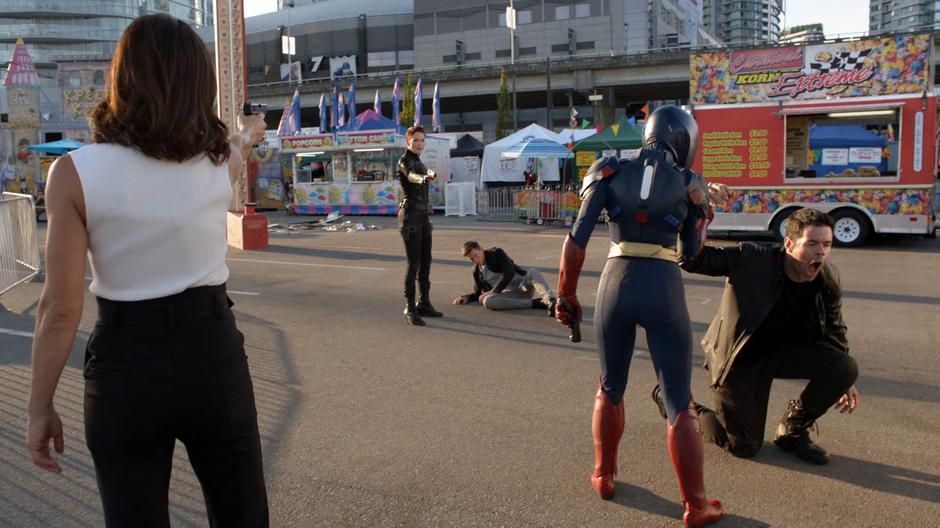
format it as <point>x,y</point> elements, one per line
<point>322,113</point>
<point>351,116</point>
<point>334,108</point>
<point>341,122</point>
<point>377,103</point>
<point>395,116</point>
<point>418,98</point>
<point>436,109</point>
<point>290,119</point>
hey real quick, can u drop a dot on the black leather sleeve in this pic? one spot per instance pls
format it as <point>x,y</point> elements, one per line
<point>504,263</point>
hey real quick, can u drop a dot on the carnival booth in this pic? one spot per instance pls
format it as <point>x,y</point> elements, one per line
<point>499,170</point>
<point>353,171</point>
<point>268,170</point>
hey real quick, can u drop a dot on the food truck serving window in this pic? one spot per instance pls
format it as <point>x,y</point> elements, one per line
<point>842,143</point>
<point>314,167</point>
<point>369,165</point>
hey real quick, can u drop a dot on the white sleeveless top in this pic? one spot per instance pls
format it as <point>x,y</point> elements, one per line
<point>155,228</point>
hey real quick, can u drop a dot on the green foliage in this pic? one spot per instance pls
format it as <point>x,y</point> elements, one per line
<point>407,115</point>
<point>503,105</point>
<point>805,27</point>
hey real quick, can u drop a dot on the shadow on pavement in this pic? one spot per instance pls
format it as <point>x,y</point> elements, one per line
<point>635,497</point>
<point>883,478</point>
<point>30,496</point>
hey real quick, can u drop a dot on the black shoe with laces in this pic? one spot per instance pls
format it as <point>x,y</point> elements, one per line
<point>412,317</point>
<point>426,310</point>
<point>793,435</point>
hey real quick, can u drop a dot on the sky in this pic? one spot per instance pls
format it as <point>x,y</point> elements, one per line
<point>838,16</point>
<point>259,7</point>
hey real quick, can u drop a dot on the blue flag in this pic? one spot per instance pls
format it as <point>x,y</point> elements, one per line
<point>377,103</point>
<point>418,98</point>
<point>396,117</point>
<point>351,99</point>
<point>322,113</point>
<point>290,119</point>
<point>334,108</point>
<point>436,109</point>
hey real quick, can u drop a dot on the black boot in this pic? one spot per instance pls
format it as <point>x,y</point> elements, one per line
<point>658,400</point>
<point>552,303</point>
<point>426,310</point>
<point>412,317</point>
<point>793,435</point>
<point>657,396</point>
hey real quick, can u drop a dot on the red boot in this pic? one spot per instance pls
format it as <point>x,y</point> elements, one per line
<point>607,428</point>
<point>684,440</point>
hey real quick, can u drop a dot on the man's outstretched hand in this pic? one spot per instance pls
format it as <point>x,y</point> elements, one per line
<point>848,402</point>
<point>718,194</point>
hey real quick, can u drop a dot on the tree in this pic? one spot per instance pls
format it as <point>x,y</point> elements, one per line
<point>503,103</point>
<point>805,27</point>
<point>407,116</point>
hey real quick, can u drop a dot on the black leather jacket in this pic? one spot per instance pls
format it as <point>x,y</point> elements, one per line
<point>497,261</point>
<point>755,280</point>
<point>414,194</point>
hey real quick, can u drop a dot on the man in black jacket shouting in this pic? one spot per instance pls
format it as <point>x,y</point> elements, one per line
<point>780,317</point>
<point>499,284</point>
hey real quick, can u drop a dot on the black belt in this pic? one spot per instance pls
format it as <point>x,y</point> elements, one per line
<point>195,303</point>
<point>406,204</point>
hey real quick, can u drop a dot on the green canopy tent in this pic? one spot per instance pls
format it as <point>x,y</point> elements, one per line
<point>620,135</point>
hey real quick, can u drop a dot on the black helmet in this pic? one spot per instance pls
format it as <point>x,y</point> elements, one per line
<point>675,130</point>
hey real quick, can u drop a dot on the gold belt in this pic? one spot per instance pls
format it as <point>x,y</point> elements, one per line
<point>643,250</point>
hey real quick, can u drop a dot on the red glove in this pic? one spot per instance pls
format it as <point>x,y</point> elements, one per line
<point>572,258</point>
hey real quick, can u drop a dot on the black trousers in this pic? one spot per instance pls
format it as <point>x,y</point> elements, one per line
<point>415,227</point>
<point>740,415</point>
<point>167,369</point>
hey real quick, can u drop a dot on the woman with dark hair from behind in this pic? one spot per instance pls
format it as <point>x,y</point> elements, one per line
<point>147,204</point>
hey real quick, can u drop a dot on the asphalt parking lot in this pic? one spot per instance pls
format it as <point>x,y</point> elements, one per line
<point>482,418</point>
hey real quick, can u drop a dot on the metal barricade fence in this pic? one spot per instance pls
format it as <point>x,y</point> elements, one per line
<point>498,203</point>
<point>552,204</point>
<point>19,241</point>
<point>540,205</point>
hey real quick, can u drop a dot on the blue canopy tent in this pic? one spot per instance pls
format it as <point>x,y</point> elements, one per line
<point>839,147</point>
<point>56,148</point>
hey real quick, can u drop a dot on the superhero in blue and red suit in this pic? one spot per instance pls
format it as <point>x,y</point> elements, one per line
<point>658,209</point>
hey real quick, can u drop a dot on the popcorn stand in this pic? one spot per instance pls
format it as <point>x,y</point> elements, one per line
<point>844,127</point>
<point>354,172</point>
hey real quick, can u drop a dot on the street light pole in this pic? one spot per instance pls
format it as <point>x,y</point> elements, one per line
<point>512,61</point>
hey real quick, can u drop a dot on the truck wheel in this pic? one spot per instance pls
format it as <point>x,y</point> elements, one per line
<point>779,227</point>
<point>851,228</point>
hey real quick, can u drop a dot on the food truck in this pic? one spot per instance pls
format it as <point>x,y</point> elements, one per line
<point>845,127</point>
<point>354,172</point>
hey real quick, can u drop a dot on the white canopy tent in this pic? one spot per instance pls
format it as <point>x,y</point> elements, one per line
<point>499,169</point>
<point>579,133</point>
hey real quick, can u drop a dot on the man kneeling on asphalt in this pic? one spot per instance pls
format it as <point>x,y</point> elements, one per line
<point>780,317</point>
<point>499,284</point>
